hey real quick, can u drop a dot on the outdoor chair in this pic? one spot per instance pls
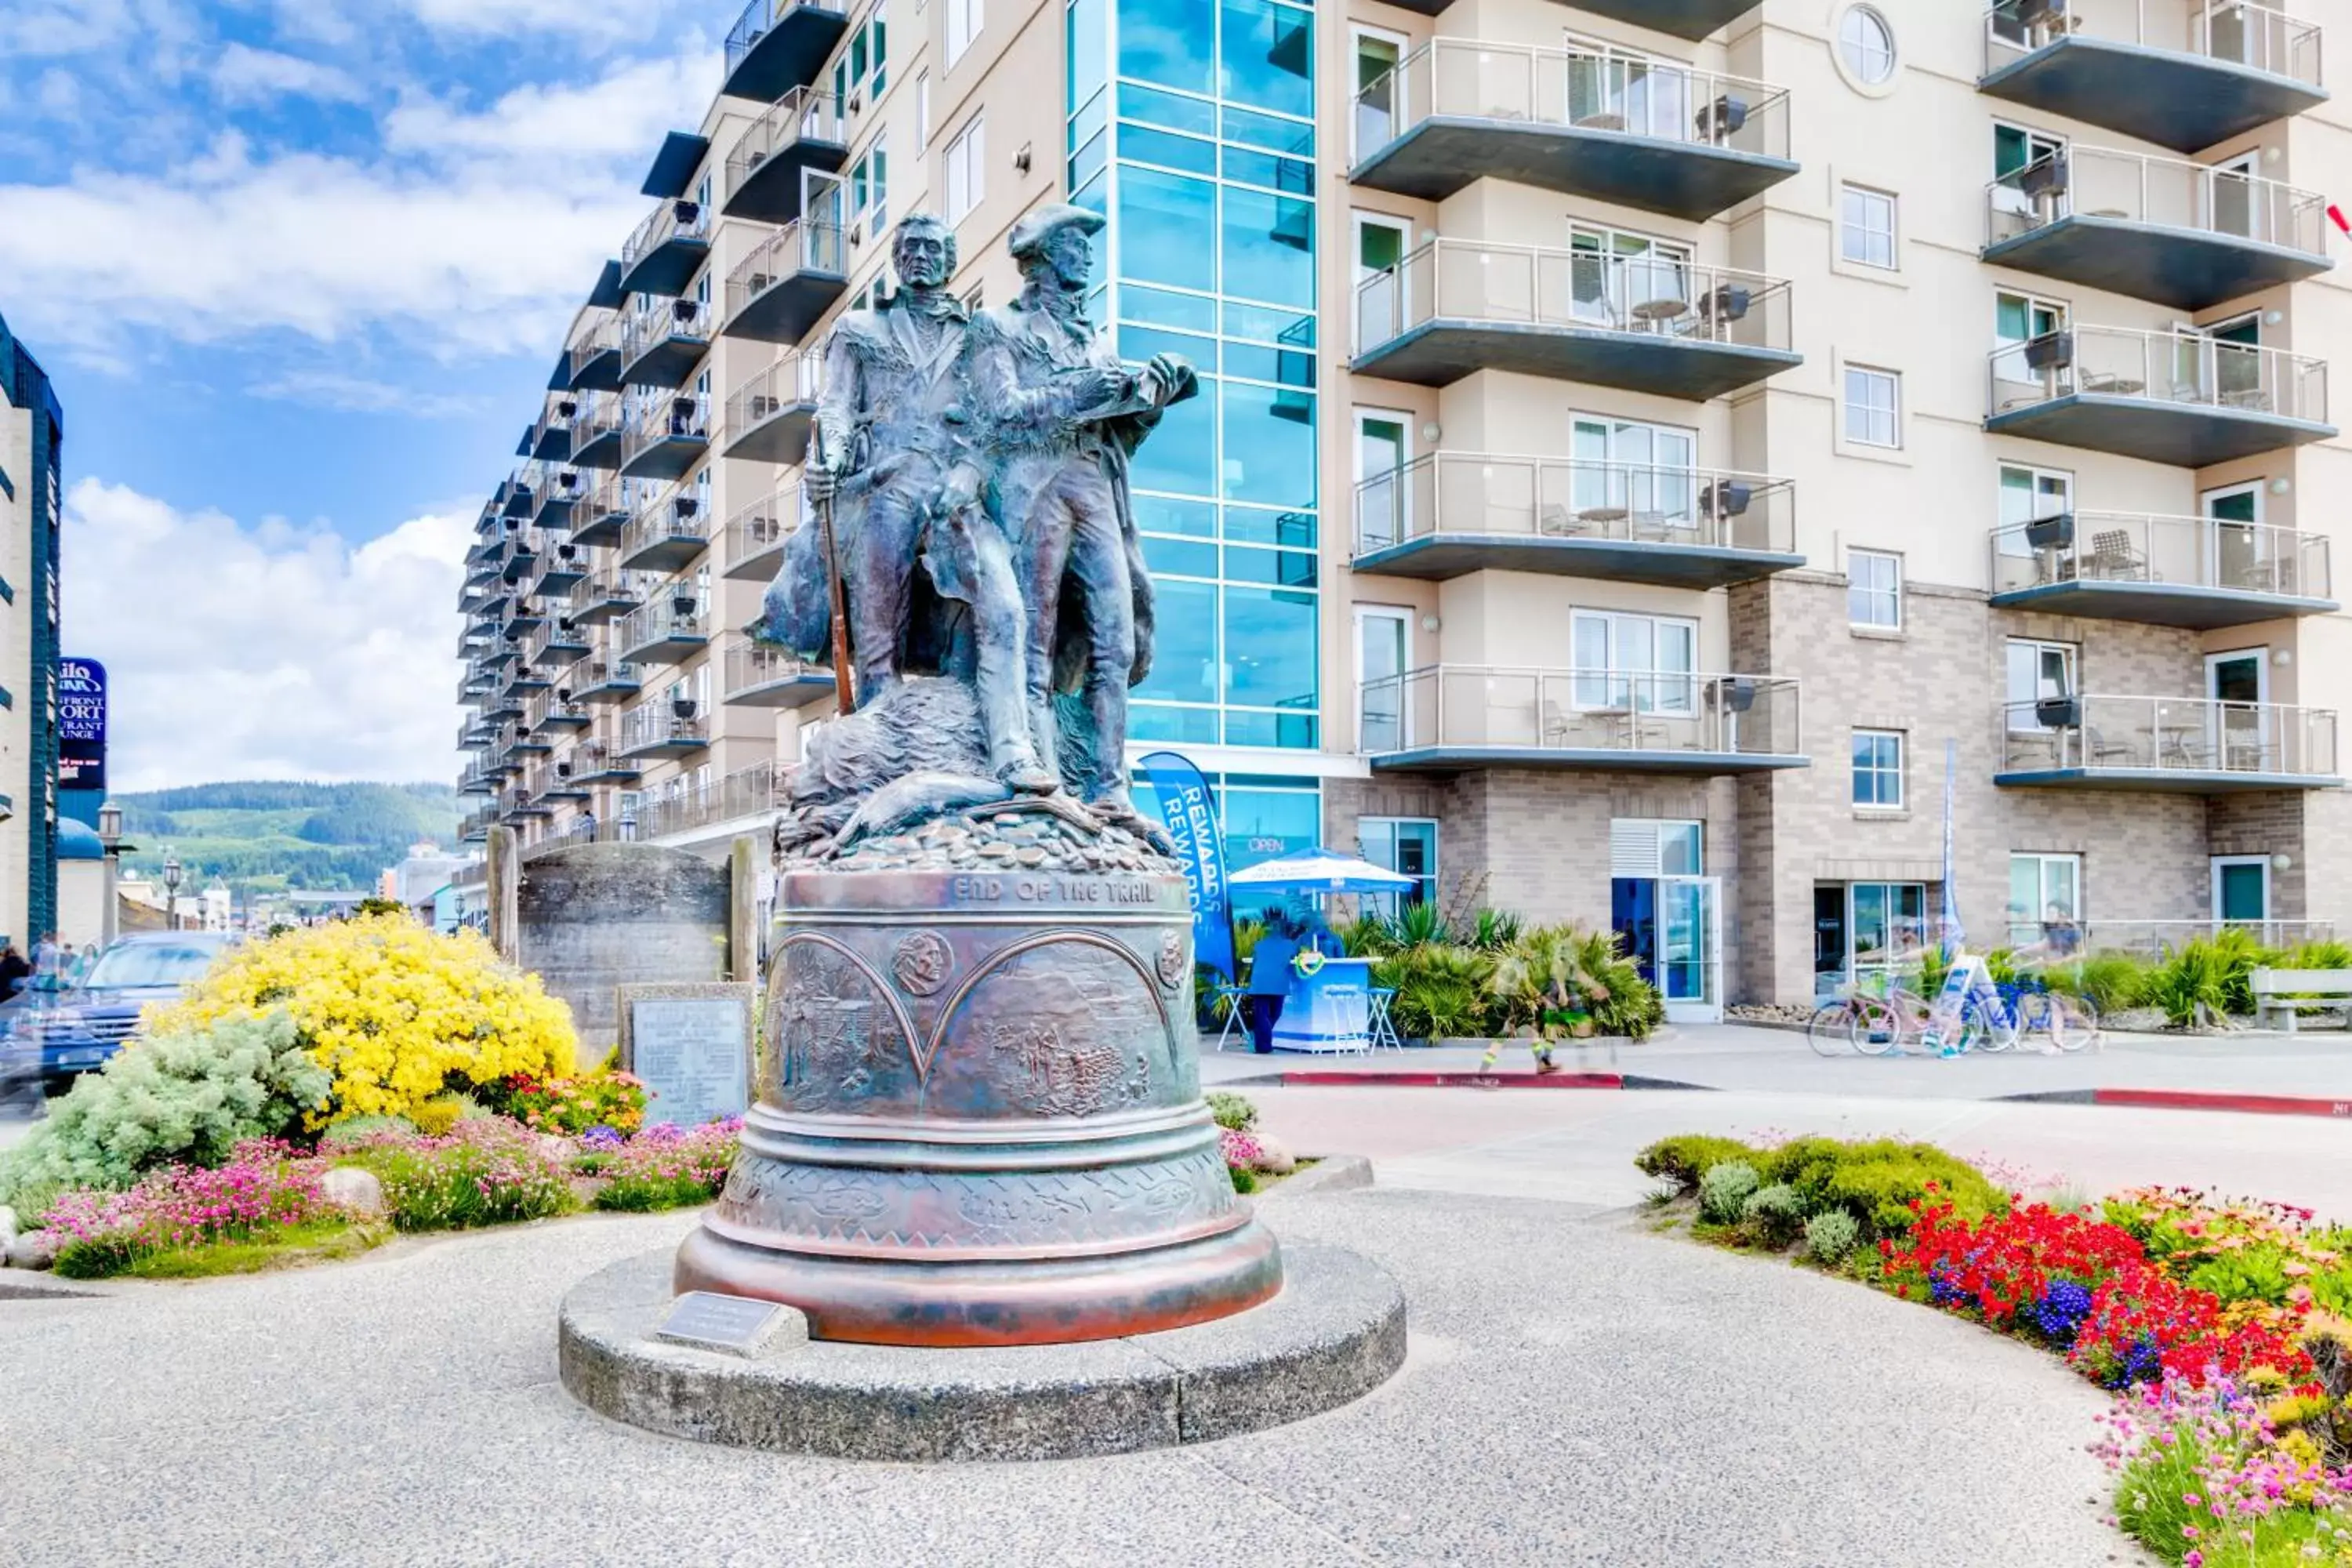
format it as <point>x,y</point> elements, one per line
<point>2112,557</point>
<point>1556,521</point>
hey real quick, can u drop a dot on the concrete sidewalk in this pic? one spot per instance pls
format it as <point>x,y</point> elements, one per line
<point>1741,1057</point>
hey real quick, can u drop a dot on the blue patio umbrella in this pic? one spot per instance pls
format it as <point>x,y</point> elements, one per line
<point>1322,871</point>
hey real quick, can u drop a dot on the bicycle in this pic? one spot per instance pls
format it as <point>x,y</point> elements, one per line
<point>1837,1027</point>
<point>2014,1008</point>
<point>1901,1020</point>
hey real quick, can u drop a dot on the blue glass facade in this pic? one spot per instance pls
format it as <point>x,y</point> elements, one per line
<point>1192,129</point>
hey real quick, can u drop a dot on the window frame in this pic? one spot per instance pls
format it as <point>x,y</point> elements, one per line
<point>1892,201</point>
<point>1873,590</point>
<point>1581,678</point>
<point>1427,893</point>
<point>923,112</point>
<point>1879,769</point>
<point>2019,933</point>
<point>2018,711</point>
<point>1847,46</point>
<point>966,20</point>
<point>1847,407</point>
<point>965,164</point>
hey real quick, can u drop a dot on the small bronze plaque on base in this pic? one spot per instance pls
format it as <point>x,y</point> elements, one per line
<point>731,1325</point>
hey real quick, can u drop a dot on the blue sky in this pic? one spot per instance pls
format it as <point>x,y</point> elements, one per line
<point>300,269</point>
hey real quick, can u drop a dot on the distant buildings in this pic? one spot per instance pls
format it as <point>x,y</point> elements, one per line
<point>416,882</point>
<point>32,437</point>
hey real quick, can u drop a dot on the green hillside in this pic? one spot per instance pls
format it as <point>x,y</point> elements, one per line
<point>269,837</point>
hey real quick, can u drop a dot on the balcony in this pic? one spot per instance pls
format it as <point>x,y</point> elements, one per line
<point>1451,513</point>
<point>660,727</point>
<point>757,676</point>
<point>779,45</point>
<point>2181,745</point>
<point>769,417</point>
<point>477,781</point>
<point>513,501</point>
<point>2184,235</point>
<point>2198,573</point>
<point>599,519</point>
<point>663,632</point>
<point>558,712</point>
<point>520,804</point>
<point>598,680</point>
<point>553,497</point>
<point>767,169</point>
<point>1584,121</point>
<point>594,358</point>
<point>526,680</point>
<point>668,248</point>
<point>754,537</point>
<point>665,536</point>
<point>664,342</point>
<point>1658,325</point>
<point>747,792</point>
<point>1448,718</point>
<point>603,594</point>
<point>594,763</point>
<point>665,437</point>
<point>562,783</point>
<point>785,285</point>
<point>550,440</point>
<point>2175,397</point>
<point>476,826</point>
<point>556,646</point>
<point>518,742</point>
<point>596,433</point>
<point>2183,74</point>
<point>500,706</point>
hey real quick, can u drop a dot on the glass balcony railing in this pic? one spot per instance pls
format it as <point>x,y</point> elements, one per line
<point>755,536</point>
<point>1602,98</point>
<point>802,131</point>
<point>2161,193</point>
<point>600,337</point>
<point>2136,549</point>
<point>2234,33</point>
<point>657,724</point>
<point>768,417</point>
<point>680,221</point>
<point>758,673</point>
<point>778,291</point>
<point>776,46</point>
<point>1508,713</point>
<point>1659,299</point>
<point>2194,739</point>
<point>669,621</point>
<point>666,532</point>
<point>1455,494</point>
<point>662,437</point>
<point>2185,370</point>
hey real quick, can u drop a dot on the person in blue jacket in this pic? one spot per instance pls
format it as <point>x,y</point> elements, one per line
<point>1269,975</point>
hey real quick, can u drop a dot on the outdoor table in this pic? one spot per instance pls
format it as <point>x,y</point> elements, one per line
<point>1329,1010</point>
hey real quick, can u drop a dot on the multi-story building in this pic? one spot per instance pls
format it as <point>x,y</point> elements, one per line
<point>1639,442</point>
<point>32,441</point>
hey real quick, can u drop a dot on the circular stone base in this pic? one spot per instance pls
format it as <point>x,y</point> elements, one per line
<point>1335,1332</point>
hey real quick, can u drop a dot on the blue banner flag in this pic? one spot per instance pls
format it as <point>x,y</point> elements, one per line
<point>1190,818</point>
<point>1953,937</point>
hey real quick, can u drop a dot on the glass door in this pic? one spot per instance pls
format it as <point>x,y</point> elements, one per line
<point>1383,640</point>
<point>1380,282</point>
<point>2234,355</point>
<point>1690,948</point>
<point>2234,554</point>
<point>2235,209</point>
<point>2018,320</point>
<point>2029,495</point>
<point>1631,480</point>
<point>1379,86</point>
<point>2238,730</point>
<point>1381,483</point>
<point>2242,889</point>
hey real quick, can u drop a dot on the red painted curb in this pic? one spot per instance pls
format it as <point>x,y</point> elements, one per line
<point>2191,1099</point>
<point>1454,1079</point>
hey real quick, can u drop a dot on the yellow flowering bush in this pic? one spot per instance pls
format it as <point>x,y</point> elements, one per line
<point>391,1009</point>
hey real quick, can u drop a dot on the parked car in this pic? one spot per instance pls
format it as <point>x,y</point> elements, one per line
<point>52,1036</point>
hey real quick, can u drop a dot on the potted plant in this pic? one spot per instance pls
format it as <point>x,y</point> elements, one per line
<point>2055,531</point>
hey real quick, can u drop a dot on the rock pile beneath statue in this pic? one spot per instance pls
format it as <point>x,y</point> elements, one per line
<point>904,784</point>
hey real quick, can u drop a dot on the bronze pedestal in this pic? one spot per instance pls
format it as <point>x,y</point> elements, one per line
<point>980,1118</point>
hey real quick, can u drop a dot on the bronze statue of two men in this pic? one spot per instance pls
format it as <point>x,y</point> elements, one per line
<point>976,471</point>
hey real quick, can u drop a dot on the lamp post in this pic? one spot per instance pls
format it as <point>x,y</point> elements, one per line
<point>172,874</point>
<point>109,839</point>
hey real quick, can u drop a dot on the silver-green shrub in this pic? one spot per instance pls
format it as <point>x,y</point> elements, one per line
<point>1725,1189</point>
<point>179,1099</point>
<point>1775,1212</point>
<point>1831,1236</point>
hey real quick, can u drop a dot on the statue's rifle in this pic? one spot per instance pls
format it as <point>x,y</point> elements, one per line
<point>845,696</point>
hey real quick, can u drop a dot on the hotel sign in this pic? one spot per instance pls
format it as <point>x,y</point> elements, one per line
<point>81,724</point>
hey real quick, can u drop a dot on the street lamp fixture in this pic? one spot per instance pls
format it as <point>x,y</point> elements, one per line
<point>172,874</point>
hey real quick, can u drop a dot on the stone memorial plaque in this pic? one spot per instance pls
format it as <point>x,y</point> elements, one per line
<point>732,1325</point>
<point>692,1045</point>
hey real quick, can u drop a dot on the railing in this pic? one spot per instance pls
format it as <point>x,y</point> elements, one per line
<point>2225,31</point>
<point>749,664</point>
<point>555,482</point>
<point>1585,88</point>
<point>2156,937</point>
<point>803,114</point>
<point>599,415</point>
<point>2166,192</point>
<point>759,18</point>
<point>607,585</point>
<point>683,417</point>
<point>2166,551</point>
<point>2184,368</point>
<point>765,524</point>
<point>678,218</point>
<point>747,792</point>
<point>802,245</point>
<point>590,758</point>
<point>602,669</point>
<point>655,723</point>
<point>2167,734</point>
<point>557,415</point>
<point>1481,706</point>
<point>1521,285</point>
<point>661,321</point>
<point>547,705</point>
<point>537,649</point>
<point>792,379</point>
<point>603,337</point>
<point>1445,493</point>
<point>676,514</point>
<point>660,622</point>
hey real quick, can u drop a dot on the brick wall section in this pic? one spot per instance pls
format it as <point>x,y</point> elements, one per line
<point>2265,822</point>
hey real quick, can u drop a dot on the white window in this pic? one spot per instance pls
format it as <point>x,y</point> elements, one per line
<point>964,20</point>
<point>1383,668</point>
<point>967,157</point>
<point>1873,589</point>
<point>1645,664</point>
<point>1866,227</point>
<point>2037,670</point>
<point>1866,44</point>
<point>2029,496</point>
<point>923,112</point>
<point>1407,846</point>
<point>1873,407</point>
<point>1878,768</point>
<point>2045,902</point>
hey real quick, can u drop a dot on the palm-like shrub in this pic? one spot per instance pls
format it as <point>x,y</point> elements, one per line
<point>397,1012</point>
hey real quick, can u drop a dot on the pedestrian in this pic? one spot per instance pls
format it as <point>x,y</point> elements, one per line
<point>1269,976</point>
<point>14,970</point>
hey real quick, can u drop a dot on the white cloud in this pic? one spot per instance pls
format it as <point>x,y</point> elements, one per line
<point>358,395</point>
<point>269,651</point>
<point>473,233</point>
<point>247,75</point>
<point>607,20</point>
